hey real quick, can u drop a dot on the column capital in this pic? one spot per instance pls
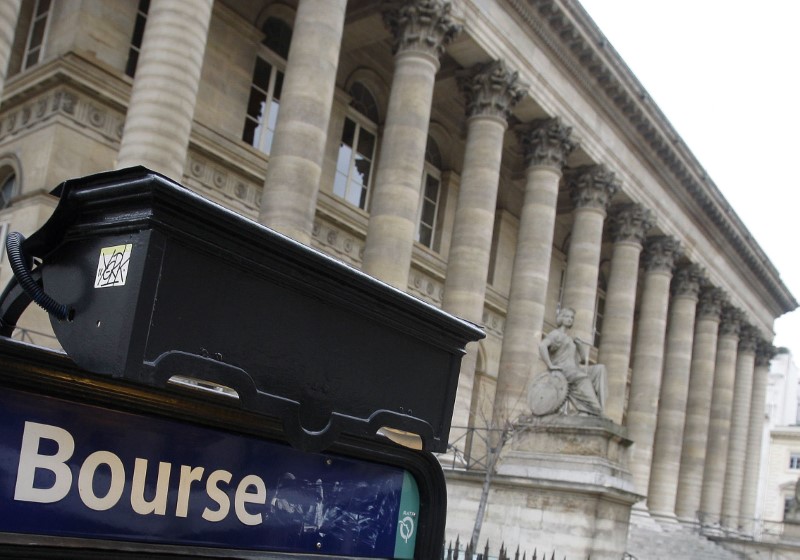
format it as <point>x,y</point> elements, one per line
<point>748,338</point>
<point>730,321</point>
<point>546,142</point>
<point>660,253</point>
<point>630,222</point>
<point>592,186</point>
<point>710,303</point>
<point>765,351</point>
<point>490,89</point>
<point>688,280</point>
<point>421,25</point>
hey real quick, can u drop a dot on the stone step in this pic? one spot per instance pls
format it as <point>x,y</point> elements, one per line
<point>646,542</point>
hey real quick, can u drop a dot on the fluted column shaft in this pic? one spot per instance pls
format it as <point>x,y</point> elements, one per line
<point>547,145</point>
<point>591,188</point>
<point>490,90</point>
<point>668,439</point>
<point>628,225</point>
<point>648,355</point>
<point>161,108</point>
<point>421,29</point>
<point>719,425</point>
<point>291,184</point>
<point>740,419</point>
<point>701,381</point>
<point>9,14</point>
<point>755,432</point>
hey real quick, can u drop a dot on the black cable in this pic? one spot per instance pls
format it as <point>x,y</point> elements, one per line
<point>22,273</point>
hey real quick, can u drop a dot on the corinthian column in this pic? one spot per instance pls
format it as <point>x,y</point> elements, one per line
<point>755,432</point>
<point>295,163</point>
<point>719,425</point>
<point>9,13</point>
<point>546,145</point>
<point>490,90</point>
<point>628,224</point>
<point>701,380</point>
<point>648,355</point>
<point>591,188</point>
<point>668,438</point>
<point>160,112</point>
<point>740,419</point>
<point>421,29</point>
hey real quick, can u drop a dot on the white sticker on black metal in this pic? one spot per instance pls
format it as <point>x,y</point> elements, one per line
<point>112,269</point>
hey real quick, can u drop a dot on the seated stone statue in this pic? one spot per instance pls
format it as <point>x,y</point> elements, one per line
<point>568,357</point>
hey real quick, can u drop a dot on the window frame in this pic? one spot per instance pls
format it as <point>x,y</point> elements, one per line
<point>429,170</point>
<point>135,49</point>
<point>794,460</point>
<point>40,47</point>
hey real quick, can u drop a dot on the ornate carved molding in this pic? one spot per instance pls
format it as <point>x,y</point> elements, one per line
<point>546,142</point>
<point>688,280</point>
<point>421,25</point>
<point>710,303</point>
<point>592,186</point>
<point>65,102</point>
<point>765,351</point>
<point>223,184</point>
<point>630,222</point>
<point>660,253</point>
<point>731,320</point>
<point>491,89</point>
<point>748,338</point>
<point>337,242</point>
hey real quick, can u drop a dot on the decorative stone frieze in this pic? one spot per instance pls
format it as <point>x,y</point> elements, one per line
<point>491,89</point>
<point>421,25</point>
<point>592,186</point>
<point>630,222</point>
<point>660,253</point>
<point>426,287</point>
<point>730,321</point>
<point>81,110</point>
<point>546,142</point>
<point>223,184</point>
<point>493,322</point>
<point>688,280</point>
<point>710,303</point>
<point>337,241</point>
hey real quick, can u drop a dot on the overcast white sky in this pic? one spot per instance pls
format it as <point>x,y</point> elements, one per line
<point>726,73</point>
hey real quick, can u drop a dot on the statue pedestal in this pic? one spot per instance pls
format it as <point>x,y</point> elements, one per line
<point>563,484</point>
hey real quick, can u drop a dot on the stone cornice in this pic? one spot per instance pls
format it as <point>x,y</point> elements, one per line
<point>583,50</point>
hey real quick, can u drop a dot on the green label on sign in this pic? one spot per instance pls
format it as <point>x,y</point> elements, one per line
<point>407,518</point>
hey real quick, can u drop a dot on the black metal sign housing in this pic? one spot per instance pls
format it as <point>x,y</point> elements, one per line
<point>154,281</point>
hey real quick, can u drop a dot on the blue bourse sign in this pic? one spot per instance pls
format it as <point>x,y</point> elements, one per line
<point>69,469</point>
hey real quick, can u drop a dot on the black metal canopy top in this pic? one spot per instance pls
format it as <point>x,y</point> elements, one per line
<point>160,285</point>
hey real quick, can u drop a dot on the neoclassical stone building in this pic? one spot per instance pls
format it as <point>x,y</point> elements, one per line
<point>495,158</point>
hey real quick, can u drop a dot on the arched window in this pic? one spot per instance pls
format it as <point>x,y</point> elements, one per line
<point>37,34</point>
<point>136,38</point>
<point>265,90</point>
<point>427,233</point>
<point>354,165</point>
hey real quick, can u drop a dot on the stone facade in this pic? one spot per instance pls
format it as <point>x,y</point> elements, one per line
<point>493,159</point>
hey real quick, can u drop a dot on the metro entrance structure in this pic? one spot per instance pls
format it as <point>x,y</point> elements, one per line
<point>497,160</point>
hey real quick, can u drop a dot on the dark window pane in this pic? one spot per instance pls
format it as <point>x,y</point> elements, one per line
<point>133,60</point>
<point>348,132</point>
<point>428,212</point>
<point>249,131</point>
<point>44,6</point>
<point>425,235</point>
<point>277,36</point>
<point>37,33</point>
<point>363,167</point>
<point>256,104</point>
<point>144,6</point>
<point>276,93</point>
<point>138,31</point>
<point>432,188</point>
<point>262,73</point>
<point>33,58</point>
<point>366,143</point>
